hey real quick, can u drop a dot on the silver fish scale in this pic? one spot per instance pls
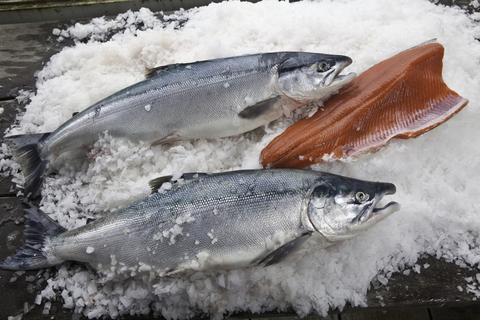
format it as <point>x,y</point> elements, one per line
<point>206,99</point>
<point>209,221</point>
<point>173,104</point>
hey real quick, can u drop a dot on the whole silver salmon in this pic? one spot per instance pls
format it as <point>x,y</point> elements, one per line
<point>212,221</point>
<point>207,99</point>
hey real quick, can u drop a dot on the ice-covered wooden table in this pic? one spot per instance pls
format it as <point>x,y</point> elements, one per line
<point>438,291</point>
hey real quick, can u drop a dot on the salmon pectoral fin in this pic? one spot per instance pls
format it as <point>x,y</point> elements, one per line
<point>284,251</point>
<point>259,109</point>
<point>168,139</point>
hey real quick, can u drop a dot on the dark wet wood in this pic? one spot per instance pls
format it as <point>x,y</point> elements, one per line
<point>24,48</point>
<point>459,313</point>
<point>22,11</point>
<point>411,314</point>
<point>23,51</point>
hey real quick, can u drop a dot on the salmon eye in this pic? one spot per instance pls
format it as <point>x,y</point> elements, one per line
<point>323,66</point>
<point>361,196</point>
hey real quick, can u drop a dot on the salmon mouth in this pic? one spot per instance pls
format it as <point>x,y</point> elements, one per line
<point>370,216</point>
<point>375,214</point>
<point>378,213</point>
<point>336,79</point>
<point>389,206</point>
<point>386,207</point>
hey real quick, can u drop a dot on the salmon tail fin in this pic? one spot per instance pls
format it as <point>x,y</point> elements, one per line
<point>34,254</point>
<point>27,152</point>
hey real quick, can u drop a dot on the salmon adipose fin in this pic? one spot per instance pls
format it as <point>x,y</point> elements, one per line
<point>38,229</point>
<point>26,149</point>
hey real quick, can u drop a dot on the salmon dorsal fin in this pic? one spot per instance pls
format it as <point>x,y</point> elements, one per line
<point>156,184</point>
<point>163,69</point>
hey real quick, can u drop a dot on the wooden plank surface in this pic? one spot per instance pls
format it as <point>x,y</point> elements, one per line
<point>472,312</point>
<point>25,11</point>
<point>24,48</point>
<point>36,11</point>
<point>412,314</point>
